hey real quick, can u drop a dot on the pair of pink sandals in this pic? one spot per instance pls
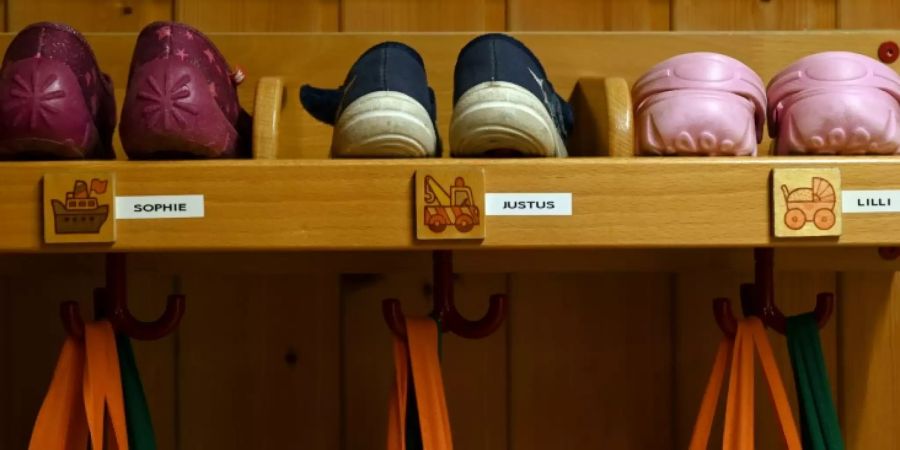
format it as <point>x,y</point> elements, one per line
<point>707,104</point>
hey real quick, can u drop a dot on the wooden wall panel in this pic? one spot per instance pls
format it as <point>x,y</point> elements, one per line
<point>586,15</point>
<point>157,360</point>
<point>474,371</point>
<point>590,361</point>
<point>259,15</point>
<point>870,359</point>
<point>259,362</point>
<point>868,14</point>
<point>34,332</point>
<point>752,14</point>
<point>89,15</point>
<point>423,15</point>
<point>6,366</point>
<point>3,23</point>
<point>697,335</point>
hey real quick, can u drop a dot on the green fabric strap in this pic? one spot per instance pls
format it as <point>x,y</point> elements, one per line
<point>819,423</point>
<point>137,413</point>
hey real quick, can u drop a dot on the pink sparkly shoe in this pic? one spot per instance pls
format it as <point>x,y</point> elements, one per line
<point>835,103</point>
<point>699,104</point>
<point>55,103</point>
<point>182,98</point>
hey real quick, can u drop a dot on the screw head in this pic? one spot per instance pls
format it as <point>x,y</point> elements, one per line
<point>888,52</point>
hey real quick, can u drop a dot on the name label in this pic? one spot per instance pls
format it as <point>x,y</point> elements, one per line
<point>882,201</point>
<point>160,207</point>
<point>528,204</point>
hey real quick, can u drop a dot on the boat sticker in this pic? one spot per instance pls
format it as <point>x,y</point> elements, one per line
<point>79,207</point>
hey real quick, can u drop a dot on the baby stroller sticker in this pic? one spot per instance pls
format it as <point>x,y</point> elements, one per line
<point>815,204</point>
<point>806,202</point>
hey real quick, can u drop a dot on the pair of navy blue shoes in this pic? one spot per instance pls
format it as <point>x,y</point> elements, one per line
<point>503,104</point>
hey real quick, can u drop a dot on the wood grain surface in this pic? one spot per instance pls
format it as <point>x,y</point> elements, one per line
<point>618,203</point>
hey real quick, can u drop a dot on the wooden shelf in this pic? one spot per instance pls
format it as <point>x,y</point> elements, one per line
<point>291,198</point>
<point>368,205</point>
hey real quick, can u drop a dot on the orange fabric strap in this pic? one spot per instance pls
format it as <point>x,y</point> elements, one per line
<point>739,407</point>
<point>776,386</point>
<point>103,398</point>
<point>396,436</point>
<point>739,426</point>
<point>703,425</point>
<point>421,350</point>
<point>60,423</point>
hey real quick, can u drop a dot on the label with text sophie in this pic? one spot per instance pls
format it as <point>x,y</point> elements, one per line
<point>882,201</point>
<point>160,207</point>
<point>528,204</point>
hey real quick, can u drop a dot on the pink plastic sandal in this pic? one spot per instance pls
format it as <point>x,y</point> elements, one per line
<point>699,104</point>
<point>835,103</point>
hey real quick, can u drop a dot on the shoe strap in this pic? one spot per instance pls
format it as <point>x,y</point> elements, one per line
<point>321,103</point>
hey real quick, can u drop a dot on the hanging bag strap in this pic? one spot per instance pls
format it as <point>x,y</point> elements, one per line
<point>776,386</point>
<point>703,425</point>
<point>818,416</point>
<point>397,399</point>
<point>419,356</point>
<point>137,413</point>
<point>429,384</point>
<point>739,408</point>
<point>103,398</point>
<point>61,423</point>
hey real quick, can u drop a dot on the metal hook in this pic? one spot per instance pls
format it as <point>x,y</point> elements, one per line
<point>444,309</point>
<point>111,303</point>
<point>759,299</point>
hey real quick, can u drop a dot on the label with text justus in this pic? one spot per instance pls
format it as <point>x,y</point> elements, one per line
<point>883,201</point>
<point>528,204</point>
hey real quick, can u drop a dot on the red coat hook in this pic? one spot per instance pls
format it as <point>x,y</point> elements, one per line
<point>759,299</point>
<point>111,303</point>
<point>889,253</point>
<point>444,309</point>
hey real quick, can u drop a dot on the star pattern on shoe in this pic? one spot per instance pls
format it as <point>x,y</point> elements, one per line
<point>163,32</point>
<point>181,54</point>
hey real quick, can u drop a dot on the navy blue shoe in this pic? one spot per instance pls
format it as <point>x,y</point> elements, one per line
<point>503,102</point>
<point>384,108</point>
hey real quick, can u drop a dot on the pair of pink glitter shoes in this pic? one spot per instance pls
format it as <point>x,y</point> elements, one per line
<point>707,104</point>
<point>181,100</point>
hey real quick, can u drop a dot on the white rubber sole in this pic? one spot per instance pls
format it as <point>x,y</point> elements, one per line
<point>384,124</point>
<point>498,115</point>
